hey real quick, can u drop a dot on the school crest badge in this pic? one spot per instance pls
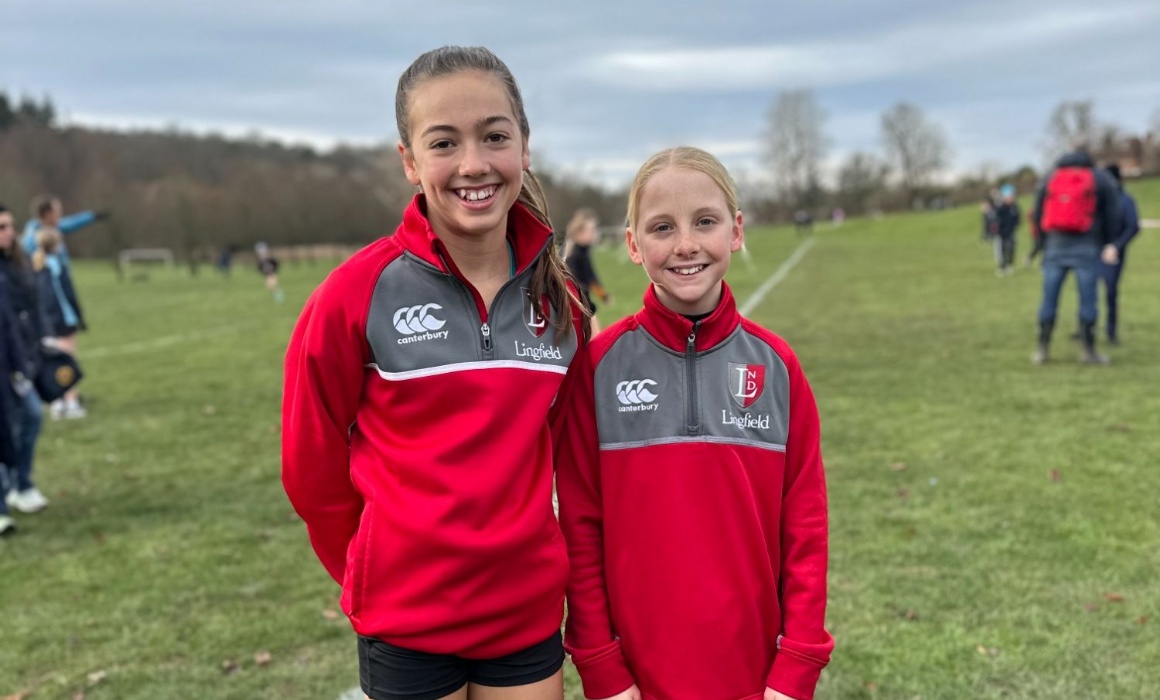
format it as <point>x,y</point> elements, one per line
<point>746,382</point>
<point>534,319</point>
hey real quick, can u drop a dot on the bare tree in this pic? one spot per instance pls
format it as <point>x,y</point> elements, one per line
<point>1072,124</point>
<point>796,145</point>
<point>916,147</point>
<point>859,178</point>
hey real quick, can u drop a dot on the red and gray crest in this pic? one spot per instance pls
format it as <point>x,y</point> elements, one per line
<point>746,382</point>
<point>534,319</point>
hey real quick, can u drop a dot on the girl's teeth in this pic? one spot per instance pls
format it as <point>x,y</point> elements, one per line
<point>475,195</point>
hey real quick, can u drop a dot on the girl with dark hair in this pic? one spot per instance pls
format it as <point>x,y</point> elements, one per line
<point>23,302</point>
<point>420,383</point>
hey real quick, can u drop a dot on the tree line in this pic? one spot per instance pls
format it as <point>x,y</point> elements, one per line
<point>197,194</point>
<point>912,167</point>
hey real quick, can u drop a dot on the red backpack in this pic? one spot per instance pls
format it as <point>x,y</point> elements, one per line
<point>1069,204</point>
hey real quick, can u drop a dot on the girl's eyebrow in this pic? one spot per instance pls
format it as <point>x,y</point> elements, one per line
<point>487,121</point>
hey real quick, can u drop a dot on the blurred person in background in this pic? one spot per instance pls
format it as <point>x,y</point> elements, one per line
<point>268,267</point>
<point>1112,260</point>
<point>1006,224</point>
<point>581,235</point>
<point>990,225</point>
<point>62,311</point>
<point>23,299</point>
<point>47,210</point>
<point>1077,214</point>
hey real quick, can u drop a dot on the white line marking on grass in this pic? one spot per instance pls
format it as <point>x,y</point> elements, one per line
<point>1150,223</point>
<point>165,341</point>
<point>778,275</point>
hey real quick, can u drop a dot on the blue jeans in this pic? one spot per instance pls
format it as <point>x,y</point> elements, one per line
<point>1111,276</point>
<point>1086,277</point>
<point>27,431</point>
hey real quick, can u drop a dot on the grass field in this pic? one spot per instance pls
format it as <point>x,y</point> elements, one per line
<point>994,525</point>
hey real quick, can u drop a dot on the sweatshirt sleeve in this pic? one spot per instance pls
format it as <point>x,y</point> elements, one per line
<point>588,634</point>
<point>321,393</point>
<point>1130,224</point>
<point>75,222</point>
<point>804,645</point>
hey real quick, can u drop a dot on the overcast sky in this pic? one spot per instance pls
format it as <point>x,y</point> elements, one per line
<point>606,82</point>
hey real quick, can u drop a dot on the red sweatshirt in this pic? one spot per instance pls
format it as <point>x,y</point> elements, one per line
<point>694,505</point>
<point>416,445</point>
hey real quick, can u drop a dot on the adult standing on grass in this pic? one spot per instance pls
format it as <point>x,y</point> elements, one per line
<point>420,380</point>
<point>24,301</point>
<point>1112,261</point>
<point>14,383</point>
<point>1077,215</point>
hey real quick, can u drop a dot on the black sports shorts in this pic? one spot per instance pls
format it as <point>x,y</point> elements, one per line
<point>388,672</point>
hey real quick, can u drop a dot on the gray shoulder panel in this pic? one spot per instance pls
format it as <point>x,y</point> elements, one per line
<point>644,397</point>
<point>421,319</point>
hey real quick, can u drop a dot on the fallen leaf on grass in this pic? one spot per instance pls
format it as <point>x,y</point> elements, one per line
<point>898,466</point>
<point>1056,476</point>
<point>903,493</point>
<point>870,686</point>
<point>1120,428</point>
<point>1114,597</point>
<point>330,614</point>
<point>79,695</point>
<point>18,695</point>
<point>209,410</point>
<point>911,615</point>
<point>229,666</point>
<point>1142,620</point>
<point>987,651</point>
<point>263,658</point>
<point>1091,607</point>
<point>97,676</point>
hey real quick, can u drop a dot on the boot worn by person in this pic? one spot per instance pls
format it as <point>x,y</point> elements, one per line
<point>1089,355</point>
<point>1041,354</point>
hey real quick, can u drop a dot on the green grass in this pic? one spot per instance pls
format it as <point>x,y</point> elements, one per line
<point>170,548</point>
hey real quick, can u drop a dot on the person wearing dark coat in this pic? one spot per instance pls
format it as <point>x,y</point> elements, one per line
<point>14,383</point>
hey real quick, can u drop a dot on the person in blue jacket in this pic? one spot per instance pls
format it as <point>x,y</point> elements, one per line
<point>1112,266</point>
<point>47,210</point>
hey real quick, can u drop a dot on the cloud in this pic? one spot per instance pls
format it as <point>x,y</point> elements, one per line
<point>918,48</point>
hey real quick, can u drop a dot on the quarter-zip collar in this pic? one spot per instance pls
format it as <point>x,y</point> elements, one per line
<point>674,330</point>
<point>527,234</point>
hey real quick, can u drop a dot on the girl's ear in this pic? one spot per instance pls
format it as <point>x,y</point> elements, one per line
<point>633,250</point>
<point>409,168</point>
<point>737,235</point>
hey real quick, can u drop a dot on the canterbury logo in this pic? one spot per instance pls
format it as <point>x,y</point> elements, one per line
<point>417,319</point>
<point>636,392</point>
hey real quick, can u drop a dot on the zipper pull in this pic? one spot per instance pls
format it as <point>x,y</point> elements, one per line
<point>691,341</point>
<point>486,331</point>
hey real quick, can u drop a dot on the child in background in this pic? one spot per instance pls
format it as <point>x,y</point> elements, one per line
<point>268,267</point>
<point>420,383</point>
<point>581,234</point>
<point>61,311</point>
<point>690,479</point>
